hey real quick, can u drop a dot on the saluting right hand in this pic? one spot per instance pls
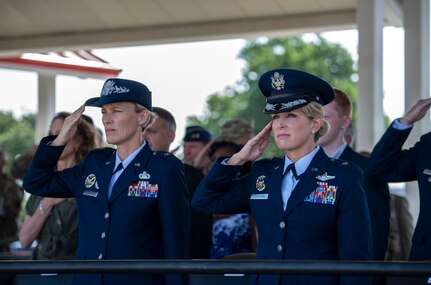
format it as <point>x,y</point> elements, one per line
<point>69,127</point>
<point>417,112</point>
<point>253,148</point>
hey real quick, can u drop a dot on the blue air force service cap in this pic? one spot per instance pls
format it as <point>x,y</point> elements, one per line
<point>197,133</point>
<point>122,90</point>
<point>289,89</point>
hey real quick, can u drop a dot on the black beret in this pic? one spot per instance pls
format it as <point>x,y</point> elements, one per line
<point>197,133</point>
<point>289,89</point>
<point>122,90</point>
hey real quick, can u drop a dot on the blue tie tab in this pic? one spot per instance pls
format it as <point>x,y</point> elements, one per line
<point>291,167</point>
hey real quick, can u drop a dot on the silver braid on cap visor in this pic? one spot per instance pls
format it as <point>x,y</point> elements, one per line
<point>284,106</point>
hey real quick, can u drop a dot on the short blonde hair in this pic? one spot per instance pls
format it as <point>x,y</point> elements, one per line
<point>315,110</point>
<point>151,118</point>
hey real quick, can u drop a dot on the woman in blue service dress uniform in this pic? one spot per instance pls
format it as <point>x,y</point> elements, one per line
<point>307,206</point>
<point>132,202</point>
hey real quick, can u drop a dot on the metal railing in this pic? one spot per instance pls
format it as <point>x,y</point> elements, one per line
<point>412,269</point>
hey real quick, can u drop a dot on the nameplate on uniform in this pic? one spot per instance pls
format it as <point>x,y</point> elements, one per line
<point>427,171</point>
<point>90,193</point>
<point>259,196</point>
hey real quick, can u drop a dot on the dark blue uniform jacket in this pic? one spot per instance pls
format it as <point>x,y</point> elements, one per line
<point>389,163</point>
<point>326,217</point>
<point>146,217</point>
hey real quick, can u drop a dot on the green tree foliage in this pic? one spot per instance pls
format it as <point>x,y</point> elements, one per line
<point>16,136</point>
<point>313,54</point>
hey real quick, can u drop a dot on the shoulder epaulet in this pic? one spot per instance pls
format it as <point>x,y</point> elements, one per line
<point>342,163</point>
<point>269,160</point>
<point>103,151</point>
<point>164,155</point>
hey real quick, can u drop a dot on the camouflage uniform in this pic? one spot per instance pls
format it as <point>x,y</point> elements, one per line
<point>58,238</point>
<point>10,205</point>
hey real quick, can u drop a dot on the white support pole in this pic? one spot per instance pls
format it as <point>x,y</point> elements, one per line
<point>370,69</point>
<point>46,104</point>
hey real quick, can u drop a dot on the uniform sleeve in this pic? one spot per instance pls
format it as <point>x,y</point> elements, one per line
<point>221,192</point>
<point>41,179</point>
<point>388,162</point>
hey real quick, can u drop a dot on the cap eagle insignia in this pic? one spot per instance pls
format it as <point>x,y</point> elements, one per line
<point>110,88</point>
<point>277,81</point>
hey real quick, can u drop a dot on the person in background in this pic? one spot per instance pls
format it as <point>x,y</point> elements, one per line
<point>132,202</point>
<point>10,205</point>
<point>98,133</point>
<point>53,222</point>
<point>159,135</point>
<point>338,113</point>
<point>195,139</point>
<point>307,206</point>
<point>390,163</point>
<point>237,131</point>
<point>349,135</point>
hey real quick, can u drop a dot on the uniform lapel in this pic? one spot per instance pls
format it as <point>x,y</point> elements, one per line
<point>275,185</point>
<point>307,183</point>
<point>347,154</point>
<point>105,172</point>
<point>130,175</point>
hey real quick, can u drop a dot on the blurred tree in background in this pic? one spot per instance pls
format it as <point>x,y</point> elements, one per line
<point>16,136</point>
<point>311,53</point>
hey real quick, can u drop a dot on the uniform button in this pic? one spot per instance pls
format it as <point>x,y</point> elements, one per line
<point>100,256</point>
<point>103,235</point>
<point>106,215</point>
<point>282,225</point>
<point>279,248</point>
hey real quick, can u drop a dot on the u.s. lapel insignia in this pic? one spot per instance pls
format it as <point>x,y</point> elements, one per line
<point>260,183</point>
<point>324,177</point>
<point>427,171</point>
<point>90,180</point>
<point>144,175</point>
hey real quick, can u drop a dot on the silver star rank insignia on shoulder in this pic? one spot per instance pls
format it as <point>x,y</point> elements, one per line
<point>324,177</point>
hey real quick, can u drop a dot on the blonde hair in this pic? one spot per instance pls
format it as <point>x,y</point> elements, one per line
<point>151,118</point>
<point>315,110</point>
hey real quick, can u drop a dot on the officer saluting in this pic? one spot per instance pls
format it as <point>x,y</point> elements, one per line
<point>307,206</point>
<point>132,202</point>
